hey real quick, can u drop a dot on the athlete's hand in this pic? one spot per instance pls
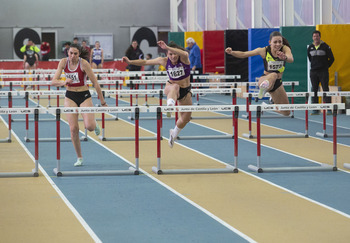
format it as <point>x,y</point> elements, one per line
<point>162,45</point>
<point>281,55</point>
<point>228,50</point>
<point>69,81</point>
<point>125,59</point>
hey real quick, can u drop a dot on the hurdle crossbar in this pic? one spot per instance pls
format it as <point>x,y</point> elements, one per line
<point>323,167</point>
<point>35,111</point>
<point>228,169</point>
<point>131,171</point>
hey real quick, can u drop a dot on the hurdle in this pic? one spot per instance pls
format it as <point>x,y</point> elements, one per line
<point>137,92</point>
<point>26,111</point>
<point>131,171</point>
<point>228,169</point>
<point>324,133</point>
<point>270,108</point>
<point>249,97</point>
<point>323,167</point>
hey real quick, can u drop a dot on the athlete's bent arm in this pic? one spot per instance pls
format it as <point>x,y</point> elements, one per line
<point>87,69</point>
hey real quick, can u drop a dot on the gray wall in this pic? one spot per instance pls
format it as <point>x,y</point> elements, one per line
<point>81,16</point>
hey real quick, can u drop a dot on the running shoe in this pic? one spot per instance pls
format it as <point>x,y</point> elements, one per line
<point>97,129</point>
<point>171,138</point>
<point>79,162</point>
<point>262,89</point>
<point>168,114</point>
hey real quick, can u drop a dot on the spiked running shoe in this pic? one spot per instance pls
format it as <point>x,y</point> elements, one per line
<point>79,162</point>
<point>97,129</point>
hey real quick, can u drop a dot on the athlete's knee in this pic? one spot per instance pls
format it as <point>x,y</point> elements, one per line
<point>90,127</point>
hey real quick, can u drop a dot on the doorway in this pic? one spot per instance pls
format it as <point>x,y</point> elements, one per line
<point>50,37</point>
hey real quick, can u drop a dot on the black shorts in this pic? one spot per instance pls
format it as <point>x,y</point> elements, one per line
<point>183,91</point>
<point>78,97</point>
<point>31,62</point>
<point>277,84</point>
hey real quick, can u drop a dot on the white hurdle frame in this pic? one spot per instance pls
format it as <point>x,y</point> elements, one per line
<point>323,167</point>
<point>59,111</point>
<point>228,169</point>
<point>269,108</point>
<point>249,95</point>
<point>26,111</point>
<point>347,165</point>
<point>324,134</point>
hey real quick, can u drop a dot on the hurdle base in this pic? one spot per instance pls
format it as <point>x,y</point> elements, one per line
<point>29,140</point>
<point>228,169</point>
<point>19,174</point>
<point>126,138</point>
<point>206,137</point>
<point>322,134</point>
<point>268,117</point>
<point>298,135</point>
<point>347,166</point>
<point>210,117</point>
<point>130,171</point>
<point>323,167</point>
<point>32,120</point>
<point>6,140</point>
<point>325,135</point>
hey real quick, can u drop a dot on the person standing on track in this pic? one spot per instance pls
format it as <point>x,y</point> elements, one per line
<point>96,57</point>
<point>177,64</point>
<point>275,57</point>
<point>78,95</point>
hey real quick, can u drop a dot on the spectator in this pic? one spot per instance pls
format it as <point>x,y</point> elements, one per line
<point>45,51</point>
<point>134,53</point>
<point>87,48</point>
<point>32,46</point>
<point>149,67</point>
<point>321,58</point>
<point>75,41</point>
<point>66,48</point>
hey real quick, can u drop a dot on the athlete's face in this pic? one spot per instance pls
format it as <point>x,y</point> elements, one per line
<point>173,57</point>
<point>73,54</point>
<point>276,43</point>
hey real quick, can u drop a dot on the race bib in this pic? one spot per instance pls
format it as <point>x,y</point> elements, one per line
<point>74,77</point>
<point>176,72</point>
<point>274,65</point>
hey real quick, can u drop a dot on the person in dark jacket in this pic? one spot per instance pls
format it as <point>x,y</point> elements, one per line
<point>321,58</point>
<point>134,53</point>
